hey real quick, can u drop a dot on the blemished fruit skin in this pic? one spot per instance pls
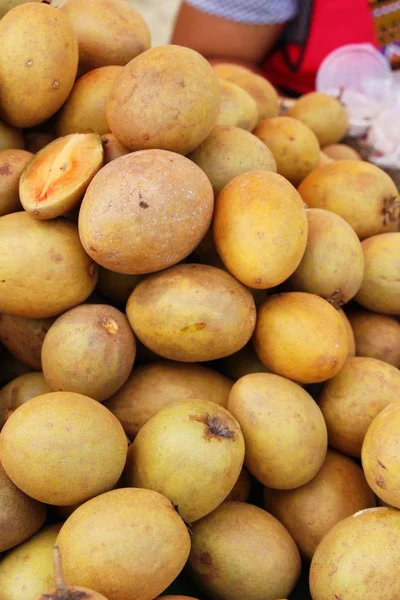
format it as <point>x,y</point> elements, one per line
<point>359,558</point>
<point>140,542</point>
<point>12,165</point>
<point>192,452</point>
<point>38,63</point>
<point>241,551</point>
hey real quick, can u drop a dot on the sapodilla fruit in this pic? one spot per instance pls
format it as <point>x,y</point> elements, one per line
<point>24,338</point>
<point>376,335</point>
<point>20,390</point>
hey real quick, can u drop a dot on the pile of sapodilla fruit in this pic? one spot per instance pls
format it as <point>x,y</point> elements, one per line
<point>152,204</point>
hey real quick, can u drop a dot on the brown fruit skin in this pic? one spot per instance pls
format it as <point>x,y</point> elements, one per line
<point>325,115</point>
<point>376,336</point>
<point>12,165</point>
<point>75,593</point>
<point>352,399</point>
<point>145,211</point>
<point>301,336</point>
<point>358,191</point>
<point>337,491</point>
<point>273,225</point>
<point>380,455</point>
<point>350,333</point>
<point>284,430</point>
<point>11,138</point>
<point>38,63</point>
<point>24,338</point>
<point>20,390</point>
<point>89,350</point>
<point>240,551</point>
<point>231,151</point>
<point>293,144</point>
<point>380,290</point>
<point>237,108</point>
<point>242,488</point>
<point>333,263</point>
<point>48,424</point>
<point>150,552</point>
<point>359,558</point>
<point>112,148</point>
<point>192,452</point>
<point>341,152</point>
<point>45,270</point>
<point>175,112</point>
<point>258,87</point>
<point>85,109</point>
<point>116,286</point>
<point>153,386</point>
<point>20,515</point>
<point>109,32</point>
<point>192,313</point>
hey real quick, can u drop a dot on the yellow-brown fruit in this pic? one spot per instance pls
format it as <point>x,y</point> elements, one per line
<point>139,541</point>
<point>112,148</point>
<point>156,385</point>
<point>258,87</point>
<point>12,165</point>
<point>116,286</point>
<point>37,140</point>
<point>89,350</point>
<point>56,179</point>
<point>20,516</point>
<point>191,452</point>
<point>352,399</point>
<point>260,228</point>
<point>192,313</point>
<point>359,558</point>
<point>24,338</point>
<point>85,109</point>
<point>380,455</point>
<point>7,5</point>
<point>28,569</point>
<point>376,336</point>
<point>341,152</point>
<point>333,264</point>
<point>45,270</point>
<point>230,151</point>
<point>237,108</point>
<point>240,551</point>
<point>242,488</point>
<point>241,363</point>
<point>181,109</point>
<point>293,144</point>
<point>145,211</point>
<point>48,425</point>
<point>11,138</point>
<point>380,290</point>
<point>38,63</point>
<point>324,159</point>
<point>361,193</point>
<point>350,333</point>
<point>283,428</point>
<point>20,390</point>
<point>109,32</point>
<point>337,491</point>
<point>301,336</point>
<point>326,116</point>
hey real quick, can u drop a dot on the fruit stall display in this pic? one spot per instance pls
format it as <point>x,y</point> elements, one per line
<point>200,344</point>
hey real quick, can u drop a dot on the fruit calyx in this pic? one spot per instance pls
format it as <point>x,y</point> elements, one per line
<point>391,209</point>
<point>336,299</point>
<point>62,592</point>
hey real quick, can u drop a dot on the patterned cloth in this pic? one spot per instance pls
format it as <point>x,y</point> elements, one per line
<point>250,12</point>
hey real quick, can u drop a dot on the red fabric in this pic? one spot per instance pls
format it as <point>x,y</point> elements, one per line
<point>334,23</point>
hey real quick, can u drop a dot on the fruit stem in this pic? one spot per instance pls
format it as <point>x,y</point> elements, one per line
<point>62,590</point>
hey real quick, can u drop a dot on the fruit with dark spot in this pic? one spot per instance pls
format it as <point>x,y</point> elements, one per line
<point>273,225</point>
<point>20,390</point>
<point>49,424</point>
<point>112,148</point>
<point>301,336</point>
<point>283,428</point>
<point>140,543</point>
<point>369,541</point>
<point>337,491</point>
<point>192,452</point>
<point>353,398</point>
<point>89,350</point>
<point>153,386</point>
<point>192,313</point>
<point>56,179</point>
<point>12,165</point>
<point>240,551</point>
<point>11,138</point>
<point>376,335</point>
<point>333,264</point>
<point>379,455</point>
<point>237,107</point>
<point>38,47</point>
<point>32,284</point>
<point>24,338</point>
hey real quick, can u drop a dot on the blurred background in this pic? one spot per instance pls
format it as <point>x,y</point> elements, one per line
<point>159,15</point>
